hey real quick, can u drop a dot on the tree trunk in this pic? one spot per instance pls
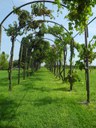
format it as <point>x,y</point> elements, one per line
<point>32,66</point>
<point>24,69</point>
<point>59,68</point>
<point>55,69</point>
<point>11,63</point>
<point>64,67</point>
<point>87,69</point>
<point>28,67</point>
<point>71,57</point>
<point>19,63</point>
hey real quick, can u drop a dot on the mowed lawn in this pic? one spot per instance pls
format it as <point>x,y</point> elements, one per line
<point>43,101</point>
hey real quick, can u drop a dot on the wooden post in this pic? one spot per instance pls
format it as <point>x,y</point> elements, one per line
<point>11,63</point>
<point>87,68</point>
<point>71,57</point>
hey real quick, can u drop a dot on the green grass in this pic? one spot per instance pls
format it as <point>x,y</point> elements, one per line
<point>43,101</point>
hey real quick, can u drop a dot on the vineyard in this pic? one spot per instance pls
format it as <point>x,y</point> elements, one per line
<point>52,83</point>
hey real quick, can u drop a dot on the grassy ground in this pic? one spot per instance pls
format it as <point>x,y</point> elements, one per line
<point>43,101</point>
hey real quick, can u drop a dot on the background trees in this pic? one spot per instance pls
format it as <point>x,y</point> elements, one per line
<point>3,61</point>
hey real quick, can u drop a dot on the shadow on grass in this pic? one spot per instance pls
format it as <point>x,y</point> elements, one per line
<point>32,86</point>
<point>4,81</point>
<point>46,101</point>
<point>7,126</point>
<point>44,89</point>
<point>7,112</point>
<point>61,89</point>
<point>36,78</point>
<point>57,101</point>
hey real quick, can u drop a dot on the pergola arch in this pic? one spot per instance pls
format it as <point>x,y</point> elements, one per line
<point>54,22</point>
<point>48,1</point>
<point>12,49</point>
<point>39,1</point>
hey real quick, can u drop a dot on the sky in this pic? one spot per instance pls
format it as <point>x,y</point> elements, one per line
<point>6,6</point>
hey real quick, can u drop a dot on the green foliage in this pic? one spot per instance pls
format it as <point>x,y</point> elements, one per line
<point>59,48</point>
<point>34,49</point>
<point>34,24</point>
<point>80,65</point>
<point>86,53</point>
<point>3,61</point>
<point>58,3</point>
<point>62,39</point>
<point>52,56</point>
<point>77,46</point>
<point>23,16</point>
<point>73,77</point>
<point>40,50</point>
<point>67,39</point>
<point>56,30</point>
<point>38,9</point>
<point>26,44</point>
<point>79,12</point>
<point>15,64</point>
<point>12,30</point>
